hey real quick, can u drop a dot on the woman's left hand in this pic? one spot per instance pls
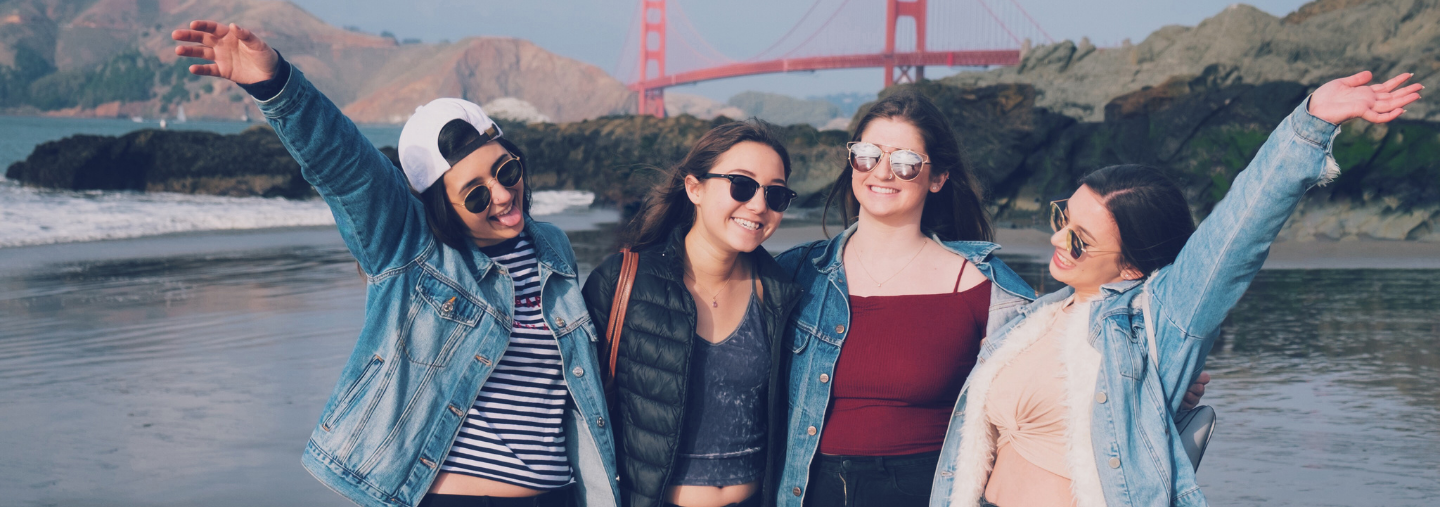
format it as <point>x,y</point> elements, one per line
<point>1348,98</point>
<point>1197,390</point>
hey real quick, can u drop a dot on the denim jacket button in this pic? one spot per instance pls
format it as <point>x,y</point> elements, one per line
<point>839,329</point>
<point>578,371</point>
<point>1100,397</point>
<point>559,322</point>
<point>824,378</point>
<point>810,430</point>
<point>796,491</point>
<point>600,421</point>
<point>1114,462</point>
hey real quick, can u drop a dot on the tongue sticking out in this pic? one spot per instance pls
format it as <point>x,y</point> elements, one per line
<point>509,219</point>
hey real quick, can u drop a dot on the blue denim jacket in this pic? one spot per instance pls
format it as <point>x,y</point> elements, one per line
<point>436,323</point>
<point>818,328</point>
<point>1140,459</point>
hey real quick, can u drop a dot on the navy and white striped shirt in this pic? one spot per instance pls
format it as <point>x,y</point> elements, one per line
<point>514,431</point>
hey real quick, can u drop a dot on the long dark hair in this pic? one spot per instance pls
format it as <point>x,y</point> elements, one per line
<point>957,211</point>
<point>667,207</point>
<point>440,214</point>
<point>1150,211</point>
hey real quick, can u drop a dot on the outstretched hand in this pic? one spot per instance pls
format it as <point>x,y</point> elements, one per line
<point>1351,97</point>
<point>237,54</point>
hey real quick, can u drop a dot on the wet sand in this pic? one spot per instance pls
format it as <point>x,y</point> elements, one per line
<point>189,369</point>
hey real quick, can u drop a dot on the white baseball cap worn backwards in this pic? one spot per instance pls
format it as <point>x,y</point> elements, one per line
<point>421,157</point>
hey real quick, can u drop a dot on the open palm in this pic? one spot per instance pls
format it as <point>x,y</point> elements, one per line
<point>1351,97</point>
<point>238,54</point>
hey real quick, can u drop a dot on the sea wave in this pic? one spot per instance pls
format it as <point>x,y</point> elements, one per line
<point>30,216</point>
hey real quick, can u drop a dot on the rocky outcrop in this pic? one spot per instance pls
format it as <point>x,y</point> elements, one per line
<point>1320,41</point>
<point>1200,132</point>
<point>45,44</point>
<point>251,163</point>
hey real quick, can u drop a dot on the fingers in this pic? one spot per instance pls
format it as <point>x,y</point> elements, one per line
<point>248,38</point>
<point>1356,80</point>
<point>196,52</point>
<point>1387,105</point>
<point>1204,378</point>
<point>1191,401</point>
<point>206,70</point>
<point>1378,117</point>
<point>205,26</point>
<point>1392,83</point>
<point>183,35</point>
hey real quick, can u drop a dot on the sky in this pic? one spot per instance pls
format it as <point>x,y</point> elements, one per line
<point>596,31</point>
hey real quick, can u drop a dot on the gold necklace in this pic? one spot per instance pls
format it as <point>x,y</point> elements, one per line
<point>879,284</point>
<point>714,300</point>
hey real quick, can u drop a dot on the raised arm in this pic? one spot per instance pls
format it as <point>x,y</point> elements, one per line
<point>1192,296</point>
<point>381,222</point>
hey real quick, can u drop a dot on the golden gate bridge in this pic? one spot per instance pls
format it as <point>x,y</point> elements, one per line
<point>832,34</point>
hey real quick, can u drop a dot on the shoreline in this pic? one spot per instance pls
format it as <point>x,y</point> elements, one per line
<point>1026,243</point>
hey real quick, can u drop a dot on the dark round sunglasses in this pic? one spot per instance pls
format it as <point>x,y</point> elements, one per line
<point>742,189</point>
<point>477,200</point>
<point>1060,219</point>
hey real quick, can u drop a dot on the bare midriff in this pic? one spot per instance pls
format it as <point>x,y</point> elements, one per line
<point>460,484</point>
<point>710,496</point>
<point>1016,481</point>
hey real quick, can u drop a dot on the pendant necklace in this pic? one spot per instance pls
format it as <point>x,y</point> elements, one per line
<point>714,299</point>
<point>878,283</point>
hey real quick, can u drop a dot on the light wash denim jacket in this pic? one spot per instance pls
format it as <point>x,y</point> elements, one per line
<point>437,321</point>
<point>1140,459</point>
<point>818,327</point>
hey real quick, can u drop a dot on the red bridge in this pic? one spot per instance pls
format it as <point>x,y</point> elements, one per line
<point>836,34</point>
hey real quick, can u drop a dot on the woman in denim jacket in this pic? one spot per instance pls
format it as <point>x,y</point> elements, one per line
<point>1144,302</point>
<point>474,381</point>
<point>894,309</point>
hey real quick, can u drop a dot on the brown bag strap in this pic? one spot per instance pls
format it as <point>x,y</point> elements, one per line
<point>629,261</point>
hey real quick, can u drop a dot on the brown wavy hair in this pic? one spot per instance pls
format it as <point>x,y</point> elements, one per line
<point>667,207</point>
<point>957,211</point>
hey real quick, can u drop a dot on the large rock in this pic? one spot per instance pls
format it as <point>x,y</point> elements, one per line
<point>1201,132</point>
<point>252,163</point>
<point>1320,41</point>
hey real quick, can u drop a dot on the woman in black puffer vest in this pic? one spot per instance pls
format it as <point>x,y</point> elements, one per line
<point>700,392</point>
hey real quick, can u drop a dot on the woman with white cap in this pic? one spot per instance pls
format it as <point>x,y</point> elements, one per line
<point>474,381</point>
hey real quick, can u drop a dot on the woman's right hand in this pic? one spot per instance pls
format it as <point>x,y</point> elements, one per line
<point>238,54</point>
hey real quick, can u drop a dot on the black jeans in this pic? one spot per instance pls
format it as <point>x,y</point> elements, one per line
<point>866,481</point>
<point>557,498</point>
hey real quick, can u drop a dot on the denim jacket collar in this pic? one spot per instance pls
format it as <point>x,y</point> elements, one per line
<point>978,253</point>
<point>1120,287</point>
<point>545,255</point>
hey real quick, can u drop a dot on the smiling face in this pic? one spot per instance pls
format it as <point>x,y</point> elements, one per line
<point>720,219</point>
<point>1101,263</point>
<point>503,219</point>
<point>883,196</point>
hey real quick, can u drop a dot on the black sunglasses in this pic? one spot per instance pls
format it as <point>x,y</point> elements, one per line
<point>477,200</point>
<point>742,189</point>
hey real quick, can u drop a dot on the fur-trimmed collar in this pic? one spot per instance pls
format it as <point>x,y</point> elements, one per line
<point>1082,363</point>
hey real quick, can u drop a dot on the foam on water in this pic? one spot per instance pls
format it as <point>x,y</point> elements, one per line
<point>30,216</point>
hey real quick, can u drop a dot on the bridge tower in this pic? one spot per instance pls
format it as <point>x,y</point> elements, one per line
<point>652,49</point>
<point>894,10</point>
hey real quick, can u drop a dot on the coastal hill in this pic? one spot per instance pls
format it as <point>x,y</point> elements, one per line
<point>112,58</point>
<point>1318,42</point>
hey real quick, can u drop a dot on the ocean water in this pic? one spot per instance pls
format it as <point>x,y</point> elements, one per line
<point>32,216</point>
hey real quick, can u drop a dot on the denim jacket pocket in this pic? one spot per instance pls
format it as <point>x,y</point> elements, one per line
<point>1131,354</point>
<point>351,394</point>
<point>439,315</point>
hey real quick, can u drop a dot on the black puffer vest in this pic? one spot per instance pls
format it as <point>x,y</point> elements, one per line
<point>653,366</point>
